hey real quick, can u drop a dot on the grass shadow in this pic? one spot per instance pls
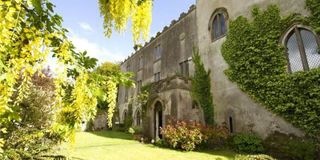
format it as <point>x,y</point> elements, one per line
<point>225,153</point>
<point>113,134</point>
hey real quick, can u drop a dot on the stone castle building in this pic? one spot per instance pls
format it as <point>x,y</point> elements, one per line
<point>166,60</point>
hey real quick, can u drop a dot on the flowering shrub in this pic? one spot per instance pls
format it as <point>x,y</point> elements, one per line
<point>182,135</point>
<point>131,130</point>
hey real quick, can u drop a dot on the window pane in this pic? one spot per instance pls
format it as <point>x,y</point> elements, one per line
<point>223,25</point>
<point>140,62</point>
<point>186,70</point>
<point>216,32</point>
<point>158,52</point>
<point>138,118</point>
<point>311,48</point>
<point>294,54</point>
<point>181,68</point>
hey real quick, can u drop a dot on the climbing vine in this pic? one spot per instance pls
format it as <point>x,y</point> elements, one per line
<point>314,7</point>
<point>144,97</point>
<point>201,88</point>
<point>257,62</point>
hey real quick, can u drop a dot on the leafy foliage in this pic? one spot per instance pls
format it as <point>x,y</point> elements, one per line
<point>109,77</point>
<point>144,97</point>
<point>201,88</point>
<point>289,147</point>
<point>258,64</point>
<point>253,157</point>
<point>116,14</point>
<point>248,143</point>
<point>30,32</point>
<point>33,134</point>
<point>314,7</point>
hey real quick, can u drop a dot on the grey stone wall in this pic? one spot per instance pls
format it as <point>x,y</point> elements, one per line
<point>229,100</point>
<point>176,43</point>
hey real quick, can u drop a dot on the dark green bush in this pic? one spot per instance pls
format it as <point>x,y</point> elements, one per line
<point>35,134</point>
<point>248,143</point>
<point>201,88</point>
<point>290,147</point>
<point>119,128</point>
<point>161,143</point>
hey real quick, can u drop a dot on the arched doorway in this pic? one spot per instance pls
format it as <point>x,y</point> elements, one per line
<point>158,119</point>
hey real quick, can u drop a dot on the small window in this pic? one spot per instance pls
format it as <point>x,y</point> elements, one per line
<point>157,77</point>
<point>128,67</point>
<point>195,105</point>
<point>141,62</point>
<point>126,93</point>
<point>303,50</point>
<point>157,52</point>
<point>184,68</point>
<point>139,85</point>
<point>125,115</point>
<point>138,118</point>
<point>231,124</point>
<point>218,25</point>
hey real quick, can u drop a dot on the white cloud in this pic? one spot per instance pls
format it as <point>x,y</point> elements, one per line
<point>95,50</point>
<point>86,27</point>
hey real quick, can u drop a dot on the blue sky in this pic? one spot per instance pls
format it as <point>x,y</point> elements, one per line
<point>82,19</point>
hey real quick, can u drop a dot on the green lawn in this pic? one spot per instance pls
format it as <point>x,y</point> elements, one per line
<point>109,145</point>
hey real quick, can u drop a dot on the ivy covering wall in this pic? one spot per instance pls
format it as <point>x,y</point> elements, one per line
<point>201,88</point>
<point>257,63</point>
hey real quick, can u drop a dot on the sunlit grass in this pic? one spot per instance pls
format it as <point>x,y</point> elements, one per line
<point>109,145</point>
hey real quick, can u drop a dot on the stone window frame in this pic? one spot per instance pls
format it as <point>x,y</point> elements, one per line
<point>185,68</point>
<point>230,121</point>
<point>139,85</point>
<point>219,11</point>
<point>128,67</point>
<point>195,104</point>
<point>296,29</point>
<point>141,60</point>
<point>126,94</point>
<point>138,123</point>
<point>157,52</point>
<point>157,76</point>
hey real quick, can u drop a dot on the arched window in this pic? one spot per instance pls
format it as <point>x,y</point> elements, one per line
<point>125,115</point>
<point>218,26</point>
<point>195,105</point>
<point>303,49</point>
<point>138,118</point>
<point>231,124</point>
